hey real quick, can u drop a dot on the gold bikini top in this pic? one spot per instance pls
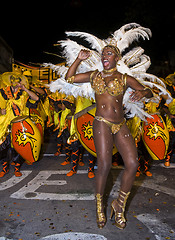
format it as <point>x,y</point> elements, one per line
<point>114,87</point>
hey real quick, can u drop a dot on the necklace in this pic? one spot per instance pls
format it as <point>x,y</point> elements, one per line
<point>110,70</point>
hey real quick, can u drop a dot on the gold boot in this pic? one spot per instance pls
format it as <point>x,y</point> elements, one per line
<point>101,219</point>
<point>120,220</point>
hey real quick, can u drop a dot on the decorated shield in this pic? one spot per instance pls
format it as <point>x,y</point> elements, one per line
<point>84,126</point>
<point>26,138</point>
<point>156,137</point>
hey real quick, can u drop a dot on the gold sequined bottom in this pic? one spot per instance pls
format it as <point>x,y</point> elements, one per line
<point>115,127</point>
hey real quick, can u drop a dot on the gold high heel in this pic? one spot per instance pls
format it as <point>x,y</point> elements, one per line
<point>101,219</point>
<point>120,220</point>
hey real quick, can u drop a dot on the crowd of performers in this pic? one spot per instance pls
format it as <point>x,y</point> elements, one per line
<point>23,95</point>
<point>22,100</point>
<point>132,109</point>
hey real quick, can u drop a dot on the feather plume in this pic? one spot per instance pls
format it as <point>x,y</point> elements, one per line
<point>76,90</point>
<point>125,37</point>
<point>162,90</point>
<point>71,50</point>
<point>133,56</point>
<point>134,63</point>
<point>123,68</point>
<point>134,108</point>
<point>143,65</point>
<point>152,78</point>
<point>94,42</point>
<point>60,69</point>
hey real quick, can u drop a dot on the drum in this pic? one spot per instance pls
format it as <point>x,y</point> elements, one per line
<point>38,121</point>
<point>84,126</point>
<point>156,137</point>
<point>26,138</point>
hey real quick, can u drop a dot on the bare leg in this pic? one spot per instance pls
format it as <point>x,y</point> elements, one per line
<point>126,147</point>
<point>103,140</point>
<point>103,143</point>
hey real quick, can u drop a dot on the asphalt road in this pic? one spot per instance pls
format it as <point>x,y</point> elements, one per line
<point>46,204</point>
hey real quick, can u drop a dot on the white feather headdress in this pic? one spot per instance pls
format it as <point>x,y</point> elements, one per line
<point>135,63</point>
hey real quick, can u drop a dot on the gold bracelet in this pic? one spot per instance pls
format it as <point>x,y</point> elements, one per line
<point>71,79</point>
<point>149,89</point>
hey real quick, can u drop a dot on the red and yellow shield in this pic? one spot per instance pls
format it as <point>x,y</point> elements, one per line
<point>84,126</point>
<point>26,138</point>
<point>156,137</point>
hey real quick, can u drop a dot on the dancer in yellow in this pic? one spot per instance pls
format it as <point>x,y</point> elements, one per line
<point>15,100</point>
<point>169,110</point>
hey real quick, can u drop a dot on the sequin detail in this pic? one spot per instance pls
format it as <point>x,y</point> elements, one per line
<point>114,87</point>
<point>115,127</point>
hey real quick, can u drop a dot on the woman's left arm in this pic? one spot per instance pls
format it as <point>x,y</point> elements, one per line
<point>140,90</point>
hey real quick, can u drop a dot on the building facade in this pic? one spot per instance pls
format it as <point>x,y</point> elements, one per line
<point>6,56</point>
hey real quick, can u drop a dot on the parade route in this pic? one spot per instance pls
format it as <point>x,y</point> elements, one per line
<point>72,91</point>
<point>46,204</point>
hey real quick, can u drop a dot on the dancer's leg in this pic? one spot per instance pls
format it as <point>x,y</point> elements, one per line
<point>103,144</point>
<point>127,148</point>
<point>74,158</point>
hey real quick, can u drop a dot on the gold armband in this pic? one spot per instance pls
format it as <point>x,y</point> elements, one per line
<point>71,79</point>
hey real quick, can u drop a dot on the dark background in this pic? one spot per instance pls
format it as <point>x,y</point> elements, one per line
<point>32,27</point>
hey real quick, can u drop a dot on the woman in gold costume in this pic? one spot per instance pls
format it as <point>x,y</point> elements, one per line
<point>110,127</point>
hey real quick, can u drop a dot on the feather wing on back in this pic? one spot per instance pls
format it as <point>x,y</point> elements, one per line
<point>94,42</point>
<point>134,63</point>
<point>143,64</point>
<point>129,33</point>
<point>71,50</point>
<point>133,56</point>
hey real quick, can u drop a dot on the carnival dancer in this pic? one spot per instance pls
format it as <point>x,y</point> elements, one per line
<point>57,122</point>
<point>170,123</point>
<point>113,88</point>
<point>110,126</point>
<point>77,159</point>
<point>68,108</point>
<point>15,100</point>
<point>155,136</point>
<point>169,111</point>
<point>38,113</point>
<point>36,85</point>
<point>53,108</point>
<point>81,104</point>
<point>136,129</point>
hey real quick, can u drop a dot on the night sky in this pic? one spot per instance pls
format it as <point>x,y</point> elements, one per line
<point>33,27</point>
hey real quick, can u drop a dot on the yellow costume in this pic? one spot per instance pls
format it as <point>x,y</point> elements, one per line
<point>14,102</point>
<point>15,105</point>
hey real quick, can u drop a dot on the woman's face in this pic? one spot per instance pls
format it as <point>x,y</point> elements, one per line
<point>109,58</point>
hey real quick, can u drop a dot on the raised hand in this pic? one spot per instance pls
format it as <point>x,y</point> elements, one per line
<point>84,54</point>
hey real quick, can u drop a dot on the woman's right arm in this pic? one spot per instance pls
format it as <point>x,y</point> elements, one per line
<point>82,77</point>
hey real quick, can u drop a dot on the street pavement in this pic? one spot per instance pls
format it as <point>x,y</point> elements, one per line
<point>46,204</point>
